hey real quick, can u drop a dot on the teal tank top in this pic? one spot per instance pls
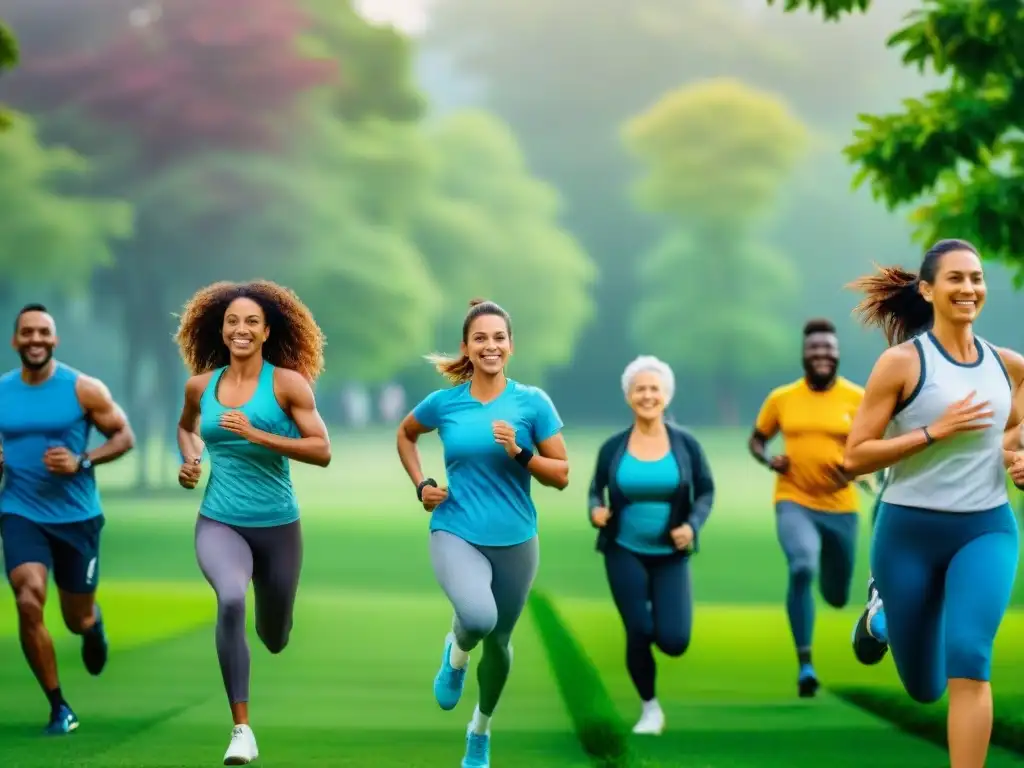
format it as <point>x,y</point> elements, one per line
<point>649,486</point>
<point>250,486</point>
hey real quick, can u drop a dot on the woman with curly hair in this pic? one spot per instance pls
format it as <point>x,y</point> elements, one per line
<point>253,350</point>
<point>497,434</point>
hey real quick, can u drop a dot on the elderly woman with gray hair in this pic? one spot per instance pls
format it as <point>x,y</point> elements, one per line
<point>651,494</point>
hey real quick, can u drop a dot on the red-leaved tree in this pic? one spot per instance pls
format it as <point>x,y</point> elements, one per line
<point>169,100</point>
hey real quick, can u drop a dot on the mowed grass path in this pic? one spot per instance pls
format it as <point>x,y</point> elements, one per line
<point>354,686</point>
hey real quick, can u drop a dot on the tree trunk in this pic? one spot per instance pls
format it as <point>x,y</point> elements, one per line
<point>135,397</point>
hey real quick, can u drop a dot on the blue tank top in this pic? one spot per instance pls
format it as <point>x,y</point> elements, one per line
<point>649,486</point>
<point>34,417</point>
<point>250,486</point>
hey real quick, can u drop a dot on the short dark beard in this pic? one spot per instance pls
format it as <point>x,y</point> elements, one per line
<point>29,365</point>
<point>816,381</point>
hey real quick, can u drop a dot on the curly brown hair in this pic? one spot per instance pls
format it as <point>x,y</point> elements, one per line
<point>295,340</point>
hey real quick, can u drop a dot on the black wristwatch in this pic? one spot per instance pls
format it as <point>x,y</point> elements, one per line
<point>423,484</point>
<point>84,463</point>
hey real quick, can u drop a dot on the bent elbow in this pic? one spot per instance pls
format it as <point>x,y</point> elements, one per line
<point>324,459</point>
<point>128,438</point>
<point>853,462</point>
<point>562,479</point>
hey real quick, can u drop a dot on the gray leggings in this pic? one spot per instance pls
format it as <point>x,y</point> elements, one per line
<point>230,557</point>
<point>488,588</point>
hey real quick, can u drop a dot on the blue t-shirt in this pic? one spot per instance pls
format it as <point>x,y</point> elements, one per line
<point>649,486</point>
<point>488,500</point>
<point>34,417</point>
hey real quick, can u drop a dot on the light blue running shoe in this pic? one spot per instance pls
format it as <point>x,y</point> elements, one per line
<point>449,682</point>
<point>807,682</point>
<point>870,634</point>
<point>478,750</point>
<point>63,722</point>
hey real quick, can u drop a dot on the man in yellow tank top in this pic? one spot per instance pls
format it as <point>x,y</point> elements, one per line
<point>815,501</point>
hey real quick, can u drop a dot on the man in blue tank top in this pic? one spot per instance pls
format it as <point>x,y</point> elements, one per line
<point>50,514</point>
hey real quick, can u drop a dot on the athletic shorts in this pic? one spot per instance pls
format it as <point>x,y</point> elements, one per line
<point>70,550</point>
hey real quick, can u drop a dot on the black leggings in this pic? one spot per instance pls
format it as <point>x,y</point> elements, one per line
<point>655,601</point>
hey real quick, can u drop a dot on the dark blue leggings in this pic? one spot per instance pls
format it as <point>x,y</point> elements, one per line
<point>945,579</point>
<point>652,593</point>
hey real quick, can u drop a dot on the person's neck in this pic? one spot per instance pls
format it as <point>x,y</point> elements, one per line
<point>485,387</point>
<point>244,370</point>
<point>649,427</point>
<point>35,376</point>
<point>821,385</point>
<point>957,340</point>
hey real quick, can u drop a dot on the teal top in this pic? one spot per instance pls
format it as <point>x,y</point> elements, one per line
<point>250,486</point>
<point>649,486</point>
<point>489,502</point>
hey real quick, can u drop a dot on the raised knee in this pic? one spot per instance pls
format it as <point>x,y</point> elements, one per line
<point>275,642</point>
<point>926,693</point>
<point>29,600</point>
<point>837,597</point>
<point>673,645</point>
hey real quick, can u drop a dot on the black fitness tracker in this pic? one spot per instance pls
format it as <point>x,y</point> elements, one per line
<point>523,457</point>
<point>84,463</point>
<point>928,439</point>
<point>423,484</point>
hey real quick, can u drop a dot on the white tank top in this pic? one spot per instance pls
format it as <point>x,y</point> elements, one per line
<point>963,472</point>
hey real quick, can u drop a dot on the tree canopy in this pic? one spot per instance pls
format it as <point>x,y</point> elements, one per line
<point>956,151</point>
<point>492,230</point>
<point>8,60</point>
<point>49,237</point>
<point>716,155</point>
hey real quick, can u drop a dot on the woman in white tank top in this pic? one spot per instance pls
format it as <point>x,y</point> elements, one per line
<point>939,412</point>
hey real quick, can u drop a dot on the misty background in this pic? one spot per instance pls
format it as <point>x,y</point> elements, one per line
<point>624,177</point>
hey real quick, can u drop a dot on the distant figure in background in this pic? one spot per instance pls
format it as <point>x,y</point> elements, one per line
<point>253,350</point>
<point>356,402</point>
<point>651,494</point>
<point>942,412</point>
<point>392,403</point>
<point>815,503</point>
<point>50,513</point>
<point>496,434</point>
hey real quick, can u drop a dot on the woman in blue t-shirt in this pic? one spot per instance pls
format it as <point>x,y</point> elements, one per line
<point>496,434</point>
<point>651,494</point>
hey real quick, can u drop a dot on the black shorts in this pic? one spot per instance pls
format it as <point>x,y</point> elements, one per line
<point>70,550</point>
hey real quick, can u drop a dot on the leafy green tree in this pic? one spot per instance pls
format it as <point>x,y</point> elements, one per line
<point>48,237</point>
<point>8,60</point>
<point>957,147</point>
<point>376,62</point>
<point>716,155</point>
<point>564,77</point>
<point>345,209</point>
<point>491,230</point>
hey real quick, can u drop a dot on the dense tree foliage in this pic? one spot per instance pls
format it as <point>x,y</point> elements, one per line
<point>716,155</point>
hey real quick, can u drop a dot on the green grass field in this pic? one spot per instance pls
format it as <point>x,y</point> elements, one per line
<point>354,686</point>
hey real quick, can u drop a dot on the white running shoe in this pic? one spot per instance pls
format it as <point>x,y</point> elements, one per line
<point>652,721</point>
<point>242,749</point>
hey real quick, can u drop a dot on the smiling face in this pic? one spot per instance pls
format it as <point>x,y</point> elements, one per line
<point>821,357</point>
<point>647,396</point>
<point>245,328</point>
<point>35,338</point>
<point>488,344</point>
<point>958,291</point>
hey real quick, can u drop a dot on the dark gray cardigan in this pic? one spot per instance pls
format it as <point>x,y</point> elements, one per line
<point>692,501</point>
